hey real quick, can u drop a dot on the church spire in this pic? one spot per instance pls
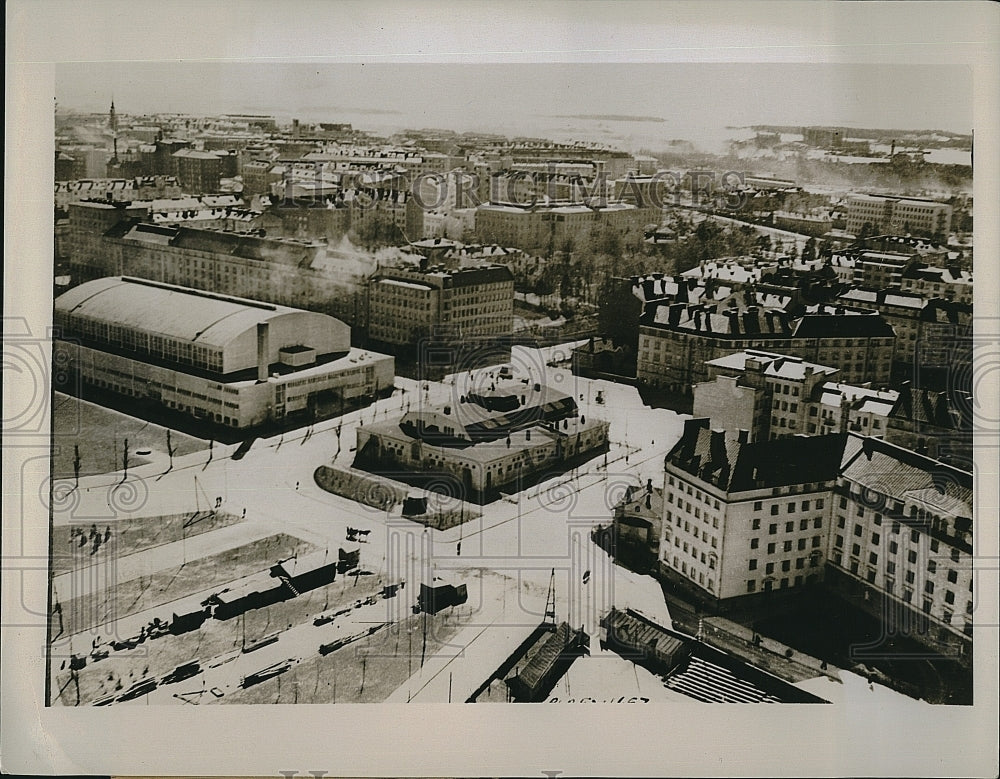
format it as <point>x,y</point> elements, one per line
<point>113,123</point>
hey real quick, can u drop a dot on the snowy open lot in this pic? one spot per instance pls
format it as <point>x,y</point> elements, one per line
<point>506,558</point>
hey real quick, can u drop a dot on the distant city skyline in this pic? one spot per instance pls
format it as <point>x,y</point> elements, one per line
<point>693,101</point>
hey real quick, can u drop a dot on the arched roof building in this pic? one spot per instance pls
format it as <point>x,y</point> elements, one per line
<point>164,323</point>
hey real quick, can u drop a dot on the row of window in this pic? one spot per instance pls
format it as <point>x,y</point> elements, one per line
<point>896,528</point>
<point>805,505</point>
<point>787,545</point>
<point>786,565</point>
<point>682,566</point>
<point>784,583</point>
<point>683,487</point>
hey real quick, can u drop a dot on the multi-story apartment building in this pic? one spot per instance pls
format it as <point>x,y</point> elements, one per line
<point>764,393</point>
<point>258,177</point>
<point>69,167</point>
<point>812,223</point>
<point>885,214</point>
<point>901,542</point>
<point>937,424</point>
<point>532,182</point>
<point>734,272</point>
<point>915,319</point>
<point>307,220</point>
<point>873,269</point>
<point>771,395</point>
<point>745,517</point>
<point>89,221</point>
<point>239,220</point>
<point>267,124</point>
<point>951,283</point>
<point>414,163</point>
<point>116,190</point>
<point>544,226</point>
<point>398,207</point>
<point>411,303</point>
<point>106,240</point>
<point>905,244</point>
<point>888,528</point>
<point>676,340</point>
<point>197,171</point>
<point>847,408</point>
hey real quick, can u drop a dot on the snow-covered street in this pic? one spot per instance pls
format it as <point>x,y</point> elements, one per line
<point>506,557</point>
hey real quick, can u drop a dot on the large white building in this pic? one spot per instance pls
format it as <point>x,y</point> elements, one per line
<point>897,215</point>
<point>232,361</point>
<point>888,528</point>
<point>901,542</point>
<point>744,517</point>
<point>409,303</point>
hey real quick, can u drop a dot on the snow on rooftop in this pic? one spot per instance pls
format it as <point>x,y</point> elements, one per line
<point>406,284</point>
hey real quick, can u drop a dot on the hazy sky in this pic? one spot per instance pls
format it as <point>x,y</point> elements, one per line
<point>478,96</point>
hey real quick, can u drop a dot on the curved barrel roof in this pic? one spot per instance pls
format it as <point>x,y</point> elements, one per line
<point>187,314</point>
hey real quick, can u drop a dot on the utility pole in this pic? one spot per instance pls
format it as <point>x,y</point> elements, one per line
<point>423,649</point>
<point>550,598</point>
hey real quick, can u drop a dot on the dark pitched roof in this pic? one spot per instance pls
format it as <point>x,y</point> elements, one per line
<point>952,412</point>
<point>467,277</point>
<point>735,467</point>
<point>843,326</point>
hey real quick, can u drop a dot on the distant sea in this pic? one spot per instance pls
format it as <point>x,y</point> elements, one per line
<point>628,133</point>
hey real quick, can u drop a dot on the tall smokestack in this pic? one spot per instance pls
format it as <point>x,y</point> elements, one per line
<point>263,349</point>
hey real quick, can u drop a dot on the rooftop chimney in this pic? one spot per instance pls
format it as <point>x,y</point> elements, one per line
<point>734,322</point>
<point>718,446</point>
<point>743,436</point>
<point>263,349</point>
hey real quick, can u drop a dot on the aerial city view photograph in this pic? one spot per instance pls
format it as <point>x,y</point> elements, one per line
<point>511,383</point>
